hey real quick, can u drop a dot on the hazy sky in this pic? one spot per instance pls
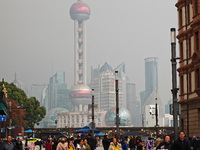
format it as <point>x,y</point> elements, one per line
<point>36,38</point>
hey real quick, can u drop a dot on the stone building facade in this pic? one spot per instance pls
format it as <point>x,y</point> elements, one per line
<point>189,65</point>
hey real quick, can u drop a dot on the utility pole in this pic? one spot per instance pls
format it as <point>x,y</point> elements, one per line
<point>92,113</point>
<point>174,82</point>
<point>117,103</point>
<point>156,113</point>
<point>10,118</point>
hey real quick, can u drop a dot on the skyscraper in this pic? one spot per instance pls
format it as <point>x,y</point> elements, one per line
<point>80,94</point>
<point>58,95</point>
<point>151,94</point>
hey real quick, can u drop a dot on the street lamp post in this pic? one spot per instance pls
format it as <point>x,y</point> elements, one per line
<point>174,82</point>
<point>117,103</point>
<point>156,114</point>
<point>10,118</point>
<point>92,113</point>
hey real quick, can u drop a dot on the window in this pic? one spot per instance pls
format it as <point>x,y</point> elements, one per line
<point>181,85</point>
<point>188,13</point>
<point>181,50</point>
<point>180,18</point>
<point>190,82</point>
<point>197,78</point>
<point>197,40</point>
<point>190,48</point>
<point>196,6</point>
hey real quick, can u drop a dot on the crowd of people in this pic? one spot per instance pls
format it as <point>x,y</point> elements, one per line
<point>88,143</point>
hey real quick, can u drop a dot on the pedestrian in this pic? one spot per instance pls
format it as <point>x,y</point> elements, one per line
<point>48,145</point>
<point>115,145</point>
<point>149,144</point>
<point>132,143</point>
<point>123,143</point>
<point>32,146</point>
<point>9,144</point>
<point>87,146</point>
<point>26,144</point>
<point>77,141</point>
<point>19,144</point>
<point>166,144</point>
<point>80,145</point>
<point>139,143</point>
<point>54,143</point>
<point>38,143</point>
<point>158,141</point>
<point>92,142</point>
<point>62,145</point>
<point>106,142</point>
<point>71,145</point>
<point>181,143</point>
<point>194,144</point>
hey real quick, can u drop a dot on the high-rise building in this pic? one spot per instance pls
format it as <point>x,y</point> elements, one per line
<point>103,83</point>
<point>58,95</point>
<point>37,90</point>
<point>151,95</point>
<point>189,65</point>
<point>133,105</point>
<point>80,94</point>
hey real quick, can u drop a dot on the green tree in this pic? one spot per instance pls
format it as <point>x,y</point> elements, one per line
<point>35,112</point>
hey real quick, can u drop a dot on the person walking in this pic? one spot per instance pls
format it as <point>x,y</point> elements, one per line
<point>71,145</point>
<point>149,144</point>
<point>62,145</point>
<point>132,143</point>
<point>115,145</point>
<point>92,142</point>
<point>87,146</point>
<point>139,143</point>
<point>123,143</point>
<point>194,144</point>
<point>181,143</point>
<point>48,145</point>
<point>80,145</point>
<point>166,144</point>
<point>9,144</point>
<point>106,142</point>
<point>19,144</point>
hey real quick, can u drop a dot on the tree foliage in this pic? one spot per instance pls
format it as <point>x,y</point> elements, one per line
<point>34,112</point>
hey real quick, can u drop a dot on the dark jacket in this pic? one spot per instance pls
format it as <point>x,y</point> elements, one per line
<point>181,145</point>
<point>92,143</point>
<point>106,143</point>
<point>4,143</point>
<point>132,143</point>
<point>166,145</point>
<point>195,144</point>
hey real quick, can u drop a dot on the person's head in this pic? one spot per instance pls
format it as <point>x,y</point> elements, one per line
<point>181,135</point>
<point>85,141</point>
<point>89,135</point>
<point>81,142</point>
<point>114,140</point>
<point>9,139</point>
<point>194,137</point>
<point>63,140</point>
<point>70,143</point>
<point>78,137</point>
<point>167,138</point>
<point>107,137</point>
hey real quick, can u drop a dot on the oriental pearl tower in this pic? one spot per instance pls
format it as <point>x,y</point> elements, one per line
<point>80,94</point>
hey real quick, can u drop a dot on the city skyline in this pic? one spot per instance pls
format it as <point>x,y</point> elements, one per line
<point>35,44</point>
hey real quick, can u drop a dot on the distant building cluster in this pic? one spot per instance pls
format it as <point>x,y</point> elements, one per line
<point>69,107</point>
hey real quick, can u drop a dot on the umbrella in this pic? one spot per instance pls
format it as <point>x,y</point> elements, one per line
<point>86,129</point>
<point>100,134</point>
<point>29,131</point>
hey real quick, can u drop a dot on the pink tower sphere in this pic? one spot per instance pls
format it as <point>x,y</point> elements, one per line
<point>80,11</point>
